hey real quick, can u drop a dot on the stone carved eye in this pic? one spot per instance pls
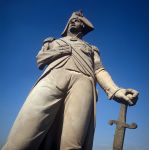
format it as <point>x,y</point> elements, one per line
<point>75,20</point>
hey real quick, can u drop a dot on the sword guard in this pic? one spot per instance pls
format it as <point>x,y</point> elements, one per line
<point>131,126</point>
<point>111,122</point>
<point>122,124</point>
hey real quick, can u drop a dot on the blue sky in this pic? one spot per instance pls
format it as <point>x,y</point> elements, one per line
<point>122,35</point>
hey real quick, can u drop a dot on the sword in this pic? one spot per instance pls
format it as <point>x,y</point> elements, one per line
<point>121,127</point>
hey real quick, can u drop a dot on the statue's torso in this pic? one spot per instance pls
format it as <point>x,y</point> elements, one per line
<point>81,59</point>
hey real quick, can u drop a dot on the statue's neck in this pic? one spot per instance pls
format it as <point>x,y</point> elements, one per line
<point>75,35</point>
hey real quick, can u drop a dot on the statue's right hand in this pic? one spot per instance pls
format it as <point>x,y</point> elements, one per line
<point>51,47</point>
<point>64,47</point>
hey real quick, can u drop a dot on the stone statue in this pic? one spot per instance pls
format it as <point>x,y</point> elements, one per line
<point>59,113</point>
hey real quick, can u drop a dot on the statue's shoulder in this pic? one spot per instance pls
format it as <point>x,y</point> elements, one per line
<point>54,41</point>
<point>49,40</point>
<point>93,47</point>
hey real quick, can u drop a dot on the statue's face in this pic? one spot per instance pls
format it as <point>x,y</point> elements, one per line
<point>75,25</point>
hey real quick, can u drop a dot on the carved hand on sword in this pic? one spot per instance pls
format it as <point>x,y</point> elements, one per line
<point>130,98</point>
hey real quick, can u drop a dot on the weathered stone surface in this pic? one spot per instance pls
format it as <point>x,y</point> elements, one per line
<point>59,112</point>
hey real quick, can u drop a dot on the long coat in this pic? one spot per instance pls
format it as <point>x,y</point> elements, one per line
<point>59,112</point>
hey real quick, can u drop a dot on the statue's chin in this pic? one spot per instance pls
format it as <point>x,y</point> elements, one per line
<point>73,30</point>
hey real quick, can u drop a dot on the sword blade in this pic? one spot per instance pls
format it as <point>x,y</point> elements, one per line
<point>120,129</point>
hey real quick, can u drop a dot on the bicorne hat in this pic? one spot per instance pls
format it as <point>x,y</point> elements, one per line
<point>88,25</point>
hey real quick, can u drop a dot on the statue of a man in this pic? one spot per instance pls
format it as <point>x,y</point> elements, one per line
<point>59,113</point>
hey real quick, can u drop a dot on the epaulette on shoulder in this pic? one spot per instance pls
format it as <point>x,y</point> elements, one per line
<point>95,48</point>
<point>49,39</point>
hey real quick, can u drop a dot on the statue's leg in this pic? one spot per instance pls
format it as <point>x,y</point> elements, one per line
<point>77,113</point>
<point>36,116</point>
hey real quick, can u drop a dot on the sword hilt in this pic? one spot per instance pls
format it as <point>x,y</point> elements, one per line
<point>121,122</point>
